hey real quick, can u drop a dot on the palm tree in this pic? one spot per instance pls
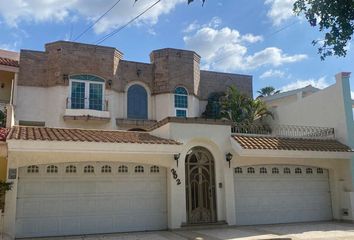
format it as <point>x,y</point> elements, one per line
<point>267,91</point>
<point>257,111</point>
<point>234,105</point>
<point>242,109</point>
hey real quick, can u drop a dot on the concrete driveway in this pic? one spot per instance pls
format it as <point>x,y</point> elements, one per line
<point>298,231</point>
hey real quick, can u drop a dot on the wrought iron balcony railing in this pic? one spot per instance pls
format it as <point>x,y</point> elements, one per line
<point>87,103</point>
<point>292,131</point>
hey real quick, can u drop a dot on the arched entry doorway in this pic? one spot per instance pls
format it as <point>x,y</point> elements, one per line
<point>200,186</point>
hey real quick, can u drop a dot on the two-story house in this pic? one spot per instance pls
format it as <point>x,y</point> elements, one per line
<point>99,144</point>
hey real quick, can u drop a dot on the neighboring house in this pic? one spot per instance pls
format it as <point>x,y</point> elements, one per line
<point>283,98</point>
<point>8,74</point>
<point>74,173</point>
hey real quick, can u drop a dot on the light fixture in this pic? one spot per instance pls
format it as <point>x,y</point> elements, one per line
<point>65,77</point>
<point>138,72</point>
<point>109,82</point>
<point>176,157</point>
<point>228,158</point>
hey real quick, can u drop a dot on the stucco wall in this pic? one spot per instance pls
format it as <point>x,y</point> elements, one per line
<point>324,108</point>
<point>48,104</point>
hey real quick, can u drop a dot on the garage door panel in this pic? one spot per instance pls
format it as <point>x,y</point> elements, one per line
<point>265,198</point>
<point>90,203</point>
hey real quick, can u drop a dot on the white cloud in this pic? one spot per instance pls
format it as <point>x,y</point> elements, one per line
<point>191,27</point>
<point>17,11</point>
<point>225,49</point>
<point>272,74</point>
<point>317,83</point>
<point>280,10</point>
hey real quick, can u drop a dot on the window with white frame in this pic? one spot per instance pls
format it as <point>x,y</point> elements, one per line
<point>319,170</point>
<point>298,171</point>
<point>263,170</point>
<point>181,102</point>
<point>309,171</point>
<point>70,169</point>
<point>52,169</point>
<point>106,169</point>
<point>287,170</point>
<point>86,92</point>
<point>238,170</point>
<point>33,169</point>
<point>89,169</point>
<point>139,169</point>
<point>250,170</point>
<point>122,169</point>
<point>275,170</point>
<point>154,169</point>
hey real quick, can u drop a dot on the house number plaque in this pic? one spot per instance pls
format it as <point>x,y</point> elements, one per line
<point>175,176</point>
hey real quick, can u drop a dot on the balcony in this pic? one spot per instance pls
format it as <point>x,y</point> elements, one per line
<point>86,109</point>
<point>138,124</point>
<point>286,131</point>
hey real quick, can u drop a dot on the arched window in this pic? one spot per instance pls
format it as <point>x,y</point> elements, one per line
<point>298,171</point>
<point>89,169</point>
<point>181,102</point>
<point>106,169</point>
<point>122,169</point>
<point>137,102</point>
<point>33,169</point>
<point>287,170</point>
<point>52,169</point>
<point>250,170</point>
<point>319,170</point>
<point>263,170</point>
<point>238,170</point>
<point>275,170</point>
<point>309,170</point>
<point>70,169</point>
<point>154,169</point>
<point>139,169</point>
<point>86,92</point>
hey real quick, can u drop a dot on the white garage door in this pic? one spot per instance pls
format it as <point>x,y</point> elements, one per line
<point>281,194</point>
<point>71,199</point>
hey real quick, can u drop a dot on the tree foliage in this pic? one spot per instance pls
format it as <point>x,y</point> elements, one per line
<point>267,91</point>
<point>333,17</point>
<point>4,187</point>
<point>242,109</point>
<point>213,108</point>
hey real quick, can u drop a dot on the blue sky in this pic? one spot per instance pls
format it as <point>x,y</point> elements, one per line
<point>259,37</point>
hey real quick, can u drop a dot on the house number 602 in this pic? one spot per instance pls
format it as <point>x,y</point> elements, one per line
<point>175,176</point>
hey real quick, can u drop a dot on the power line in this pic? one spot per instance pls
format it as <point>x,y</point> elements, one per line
<point>269,35</point>
<point>125,25</point>
<point>98,19</point>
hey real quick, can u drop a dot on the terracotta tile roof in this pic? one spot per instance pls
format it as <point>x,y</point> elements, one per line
<point>190,120</point>
<point>82,135</point>
<point>8,62</point>
<point>3,134</point>
<point>297,144</point>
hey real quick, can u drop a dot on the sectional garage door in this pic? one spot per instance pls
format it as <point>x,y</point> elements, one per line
<point>281,194</point>
<point>71,199</point>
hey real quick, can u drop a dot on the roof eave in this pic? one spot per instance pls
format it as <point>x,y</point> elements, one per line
<point>288,153</point>
<point>91,147</point>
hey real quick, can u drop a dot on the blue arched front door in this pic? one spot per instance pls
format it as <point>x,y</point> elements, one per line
<point>137,102</point>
